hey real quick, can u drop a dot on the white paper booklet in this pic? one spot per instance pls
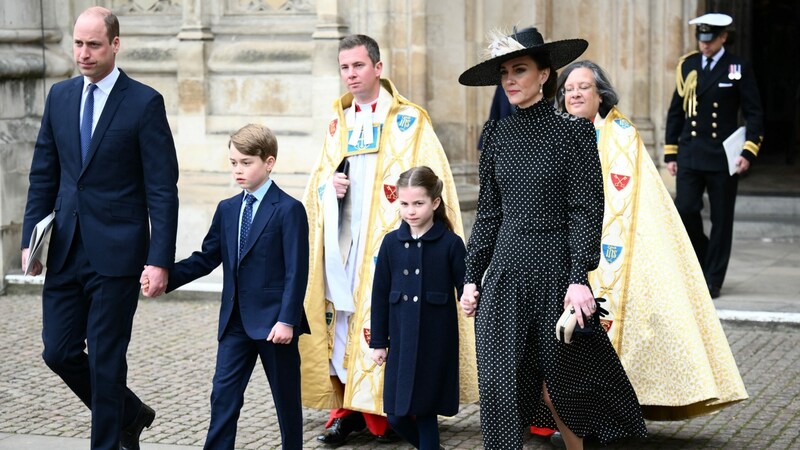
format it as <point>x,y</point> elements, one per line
<point>733,148</point>
<point>40,232</point>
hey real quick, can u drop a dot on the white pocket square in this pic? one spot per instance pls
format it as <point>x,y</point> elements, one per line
<point>725,84</point>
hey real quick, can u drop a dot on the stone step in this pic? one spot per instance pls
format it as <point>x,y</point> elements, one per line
<point>763,217</point>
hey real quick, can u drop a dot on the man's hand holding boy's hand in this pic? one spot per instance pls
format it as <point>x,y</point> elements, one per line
<point>281,334</point>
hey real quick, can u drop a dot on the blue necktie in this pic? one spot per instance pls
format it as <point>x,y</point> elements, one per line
<point>247,218</point>
<point>86,124</point>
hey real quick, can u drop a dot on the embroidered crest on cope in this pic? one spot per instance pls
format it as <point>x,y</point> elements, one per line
<point>619,181</point>
<point>611,252</point>
<point>367,334</point>
<point>404,121</point>
<point>390,191</point>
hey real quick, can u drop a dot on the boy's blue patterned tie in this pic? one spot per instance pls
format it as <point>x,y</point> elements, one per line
<point>247,218</point>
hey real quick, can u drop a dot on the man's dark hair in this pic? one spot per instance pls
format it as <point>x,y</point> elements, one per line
<point>354,40</point>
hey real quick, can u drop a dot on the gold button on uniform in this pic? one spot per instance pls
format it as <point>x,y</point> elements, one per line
<point>716,105</point>
<point>714,135</point>
<point>713,124</point>
<point>694,123</point>
<point>694,133</point>
<point>714,115</point>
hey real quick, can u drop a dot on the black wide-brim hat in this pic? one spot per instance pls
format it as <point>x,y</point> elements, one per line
<point>487,73</point>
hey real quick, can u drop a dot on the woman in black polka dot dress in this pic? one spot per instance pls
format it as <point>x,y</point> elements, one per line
<point>536,235</point>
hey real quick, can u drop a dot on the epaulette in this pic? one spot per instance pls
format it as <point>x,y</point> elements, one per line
<point>687,87</point>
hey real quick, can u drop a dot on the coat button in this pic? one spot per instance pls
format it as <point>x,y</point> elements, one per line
<point>416,272</point>
<point>694,123</point>
<point>419,244</point>
<point>416,298</point>
<point>714,115</point>
<point>713,124</point>
<point>716,105</point>
<point>80,187</point>
<point>405,271</point>
<point>694,133</point>
<point>405,297</point>
<point>714,135</point>
<point>406,244</point>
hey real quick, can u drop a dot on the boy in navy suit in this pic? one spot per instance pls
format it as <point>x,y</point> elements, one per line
<point>261,238</point>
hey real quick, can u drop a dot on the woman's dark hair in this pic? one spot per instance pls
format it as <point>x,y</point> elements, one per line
<point>425,178</point>
<point>542,60</point>
<point>604,88</point>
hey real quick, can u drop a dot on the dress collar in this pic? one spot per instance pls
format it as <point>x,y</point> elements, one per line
<point>434,233</point>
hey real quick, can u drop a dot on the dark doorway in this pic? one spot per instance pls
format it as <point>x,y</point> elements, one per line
<point>767,33</point>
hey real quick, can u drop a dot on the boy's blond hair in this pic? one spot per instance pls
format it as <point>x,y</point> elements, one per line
<point>255,140</point>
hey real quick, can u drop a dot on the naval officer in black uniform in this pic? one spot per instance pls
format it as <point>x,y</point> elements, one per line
<point>712,86</point>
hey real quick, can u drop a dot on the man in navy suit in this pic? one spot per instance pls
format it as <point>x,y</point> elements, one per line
<point>260,236</point>
<point>713,85</point>
<point>105,162</point>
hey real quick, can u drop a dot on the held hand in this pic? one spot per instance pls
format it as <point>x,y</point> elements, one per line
<point>145,282</point>
<point>379,356</point>
<point>580,297</point>
<point>340,183</point>
<point>742,165</point>
<point>36,268</point>
<point>469,299</point>
<point>672,168</point>
<point>157,278</point>
<point>281,334</point>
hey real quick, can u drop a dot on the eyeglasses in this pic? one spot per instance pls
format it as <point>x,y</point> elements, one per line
<point>581,87</point>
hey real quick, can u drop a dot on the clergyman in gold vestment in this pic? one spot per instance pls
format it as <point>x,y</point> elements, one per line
<point>374,135</point>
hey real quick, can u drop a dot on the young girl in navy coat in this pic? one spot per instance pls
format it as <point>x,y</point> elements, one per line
<point>420,267</point>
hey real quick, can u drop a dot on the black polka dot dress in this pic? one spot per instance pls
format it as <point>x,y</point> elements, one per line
<point>540,212</point>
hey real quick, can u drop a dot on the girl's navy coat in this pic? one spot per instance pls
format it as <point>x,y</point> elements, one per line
<point>414,315</point>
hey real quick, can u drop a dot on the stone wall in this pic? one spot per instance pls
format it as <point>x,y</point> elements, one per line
<point>30,61</point>
<point>223,63</point>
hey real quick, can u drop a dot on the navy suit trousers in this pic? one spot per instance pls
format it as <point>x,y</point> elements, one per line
<point>236,358</point>
<point>81,307</point>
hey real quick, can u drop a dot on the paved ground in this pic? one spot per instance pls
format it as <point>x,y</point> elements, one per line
<point>172,355</point>
<point>171,362</point>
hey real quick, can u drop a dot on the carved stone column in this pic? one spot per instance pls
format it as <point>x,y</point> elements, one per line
<point>326,84</point>
<point>29,56</point>
<point>193,46</point>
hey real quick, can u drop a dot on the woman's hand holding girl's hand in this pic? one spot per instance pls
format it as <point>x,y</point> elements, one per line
<point>580,297</point>
<point>469,299</point>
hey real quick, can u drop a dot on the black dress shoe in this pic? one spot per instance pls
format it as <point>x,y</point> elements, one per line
<point>129,440</point>
<point>337,434</point>
<point>713,290</point>
<point>388,437</point>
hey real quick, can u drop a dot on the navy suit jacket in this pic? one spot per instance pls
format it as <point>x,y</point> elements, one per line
<point>272,274</point>
<point>125,197</point>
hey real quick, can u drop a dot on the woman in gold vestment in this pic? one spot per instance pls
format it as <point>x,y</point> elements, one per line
<point>662,320</point>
